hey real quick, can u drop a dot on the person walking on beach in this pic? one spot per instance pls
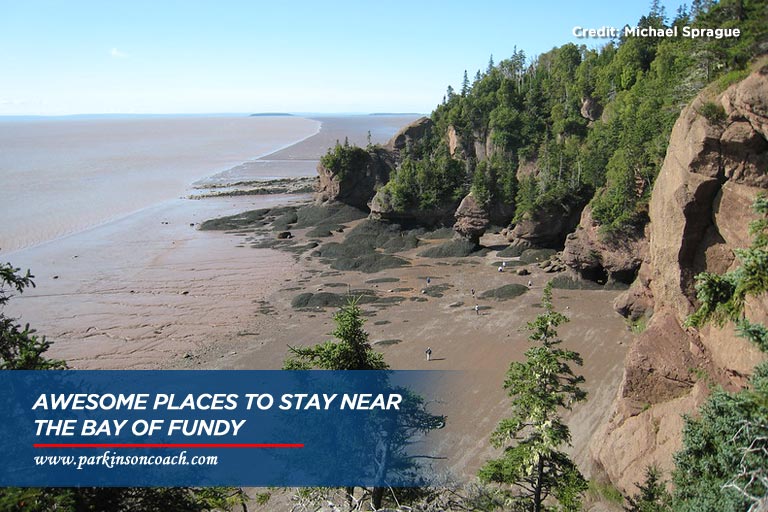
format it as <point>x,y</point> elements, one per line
<point>477,309</point>
<point>429,353</point>
<point>473,293</point>
<point>501,269</point>
<point>530,283</point>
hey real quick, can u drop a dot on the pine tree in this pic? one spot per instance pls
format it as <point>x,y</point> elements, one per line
<point>723,464</point>
<point>465,84</point>
<point>653,495</point>
<point>20,348</point>
<point>532,436</point>
<point>351,352</point>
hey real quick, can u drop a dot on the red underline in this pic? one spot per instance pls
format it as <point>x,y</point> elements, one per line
<point>168,445</point>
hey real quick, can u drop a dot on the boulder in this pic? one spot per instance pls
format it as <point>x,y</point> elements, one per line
<point>471,220</point>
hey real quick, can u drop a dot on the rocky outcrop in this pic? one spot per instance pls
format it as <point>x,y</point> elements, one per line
<point>590,109</point>
<point>382,208</point>
<point>455,148</point>
<point>597,258</point>
<point>699,213</point>
<point>480,145</point>
<point>410,134</point>
<point>546,228</point>
<point>356,186</point>
<point>471,220</point>
<point>637,301</point>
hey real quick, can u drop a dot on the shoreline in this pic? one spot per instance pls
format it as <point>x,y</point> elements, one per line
<point>182,190</point>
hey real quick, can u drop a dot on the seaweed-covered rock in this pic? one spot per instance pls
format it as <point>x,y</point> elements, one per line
<point>508,291</point>
<point>450,249</point>
<point>547,227</point>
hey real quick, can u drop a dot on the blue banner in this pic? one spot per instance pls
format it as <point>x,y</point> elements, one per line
<point>207,428</point>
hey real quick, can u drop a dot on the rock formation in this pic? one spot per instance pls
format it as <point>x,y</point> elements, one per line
<point>409,134</point>
<point>599,259</point>
<point>590,109</point>
<point>547,228</point>
<point>471,220</point>
<point>715,166</point>
<point>356,186</point>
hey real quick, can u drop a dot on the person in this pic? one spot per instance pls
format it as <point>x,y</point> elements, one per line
<point>473,293</point>
<point>504,264</point>
<point>530,283</point>
<point>501,269</point>
<point>429,353</point>
<point>477,309</point>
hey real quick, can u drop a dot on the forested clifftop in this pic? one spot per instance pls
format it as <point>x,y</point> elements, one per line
<point>587,151</point>
<point>537,140</point>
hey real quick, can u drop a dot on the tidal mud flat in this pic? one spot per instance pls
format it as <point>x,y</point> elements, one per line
<point>415,287</point>
<point>208,284</point>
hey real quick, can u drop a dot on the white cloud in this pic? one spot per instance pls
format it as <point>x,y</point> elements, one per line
<point>117,54</point>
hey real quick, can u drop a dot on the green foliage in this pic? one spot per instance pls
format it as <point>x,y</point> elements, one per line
<point>722,447</point>
<point>344,158</point>
<point>653,495</point>
<point>713,112</point>
<point>531,113</point>
<point>352,351</point>
<point>599,491</point>
<point>179,499</point>
<point>723,465</point>
<point>722,296</point>
<point>20,348</point>
<point>429,183</point>
<point>540,387</point>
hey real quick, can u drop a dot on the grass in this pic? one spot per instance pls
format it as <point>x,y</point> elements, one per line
<point>639,325</point>
<point>603,491</point>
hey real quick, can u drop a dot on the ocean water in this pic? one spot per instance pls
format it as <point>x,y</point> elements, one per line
<point>61,176</point>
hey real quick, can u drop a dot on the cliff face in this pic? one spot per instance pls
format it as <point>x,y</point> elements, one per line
<point>700,209</point>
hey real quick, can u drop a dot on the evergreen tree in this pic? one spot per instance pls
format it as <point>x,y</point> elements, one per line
<point>465,84</point>
<point>351,352</point>
<point>653,495</point>
<point>541,387</point>
<point>20,348</point>
<point>723,465</point>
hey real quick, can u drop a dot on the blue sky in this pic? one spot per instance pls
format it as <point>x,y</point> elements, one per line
<point>68,56</point>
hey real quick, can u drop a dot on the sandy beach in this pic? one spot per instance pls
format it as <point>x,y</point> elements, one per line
<point>151,290</point>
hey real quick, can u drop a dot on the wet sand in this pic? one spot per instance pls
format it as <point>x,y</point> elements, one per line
<point>481,346</point>
<point>113,296</point>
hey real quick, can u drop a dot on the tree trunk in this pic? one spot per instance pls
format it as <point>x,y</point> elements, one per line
<point>376,497</point>
<point>539,482</point>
